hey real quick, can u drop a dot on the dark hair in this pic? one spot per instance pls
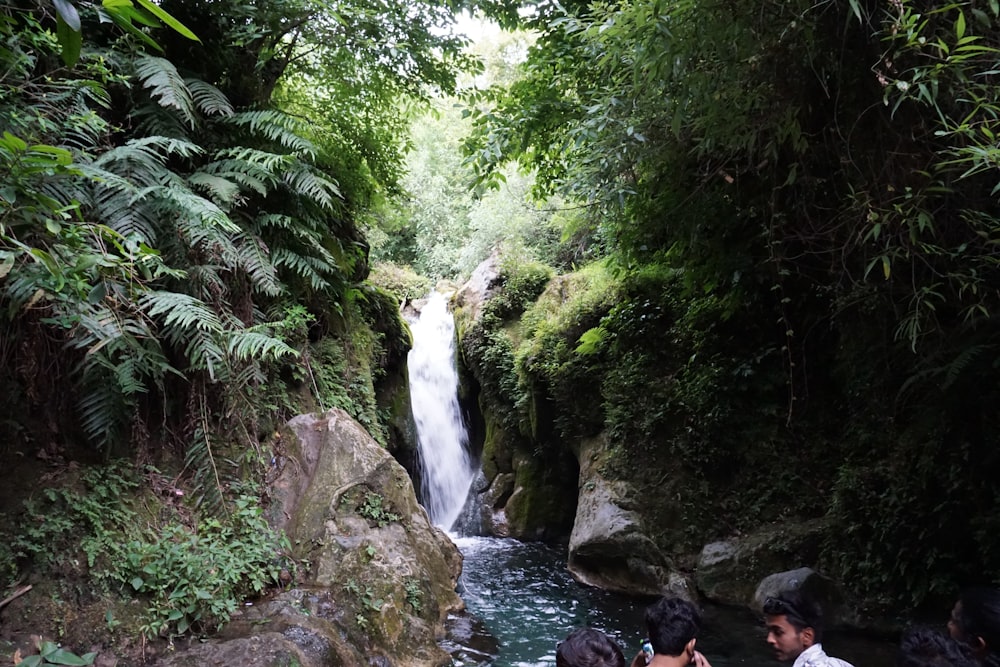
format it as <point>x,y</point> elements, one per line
<point>799,609</point>
<point>587,647</point>
<point>927,647</point>
<point>671,624</point>
<point>980,615</point>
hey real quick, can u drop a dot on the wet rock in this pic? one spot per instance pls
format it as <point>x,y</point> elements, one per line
<point>468,641</point>
<point>609,547</point>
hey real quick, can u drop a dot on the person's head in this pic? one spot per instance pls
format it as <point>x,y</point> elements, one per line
<point>794,623</point>
<point>587,647</point>
<point>673,625</point>
<point>975,620</point>
<point>926,647</point>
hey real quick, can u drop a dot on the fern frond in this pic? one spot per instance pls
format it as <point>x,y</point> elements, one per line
<point>205,353</point>
<point>257,170</point>
<point>180,202</point>
<point>205,279</point>
<point>153,120</point>
<point>180,310</point>
<point>305,182</point>
<point>274,221</point>
<point>300,266</point>
<point>252,256</point>
<point>271,163</point>
<point>143,160</point>
<point>278,127</point>
<point>960,363</point>
<point>166,86</point>
<point>115,205</point>
<point>250,375</point>
<point>208,99</point>
<point>223,191</point>
<point>250,344</point>
<point>103,408</point>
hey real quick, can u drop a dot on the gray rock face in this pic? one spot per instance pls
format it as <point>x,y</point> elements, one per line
<point>267,649</point>
<point>480,285</point>
<point>608,547</point>
<point>381,580</point>
<point>730,571</point>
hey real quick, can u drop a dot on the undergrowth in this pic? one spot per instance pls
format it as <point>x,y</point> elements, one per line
<point>189,573</point>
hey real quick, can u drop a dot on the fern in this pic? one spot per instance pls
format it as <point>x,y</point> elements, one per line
<point>300,266</point>
<point>143,161</point>
<point>115,201</point>
<point>255,260</point>
<point>177,200</point>
<point>205,353</point>
<point>102,407</point>
<point>278,127</point>
<point>247,345</point>
<point>208,99</point>
<point>200,457</point>
<point>223,191</point>
<point>166,86</point>
<point>305,182</point>
<point>180,311</point>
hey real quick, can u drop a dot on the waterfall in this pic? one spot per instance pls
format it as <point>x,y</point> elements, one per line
<point>446,471</point>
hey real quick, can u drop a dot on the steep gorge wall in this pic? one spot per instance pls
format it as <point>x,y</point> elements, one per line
<point>656,432</point>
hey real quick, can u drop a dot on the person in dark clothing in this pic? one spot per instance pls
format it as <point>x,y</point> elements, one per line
<point>975,620</point>
<point>927,647</point>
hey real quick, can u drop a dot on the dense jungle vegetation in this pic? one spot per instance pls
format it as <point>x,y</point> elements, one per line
<point>762,257</point>
<point>794,318</point>
<point>183,188</point>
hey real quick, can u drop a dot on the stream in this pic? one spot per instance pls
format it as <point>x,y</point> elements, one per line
<point>526,600</point>
<point>520,598</point>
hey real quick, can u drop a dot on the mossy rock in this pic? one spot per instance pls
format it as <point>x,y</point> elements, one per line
<point>543,503</point>
<point>350,511</point>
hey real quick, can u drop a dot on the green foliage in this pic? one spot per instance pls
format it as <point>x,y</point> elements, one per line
<point>402,281</point>
<point>414,595</point>
<point>815,185</point>
<point>440,230</point>
<point>164,236</point>
<point>189,580</point>
<point>193,581</point>
<point>86,516</point>
<point>50,653</point>
<point>367,598</point>
<point>373,508</point>
<point>522,283</point>
<point>489,349</point>
<point>547,359</point>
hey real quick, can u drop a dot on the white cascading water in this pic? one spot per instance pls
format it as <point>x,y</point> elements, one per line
<point>446,469</point>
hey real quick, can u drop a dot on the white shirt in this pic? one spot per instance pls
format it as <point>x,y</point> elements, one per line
<point>814,656</point>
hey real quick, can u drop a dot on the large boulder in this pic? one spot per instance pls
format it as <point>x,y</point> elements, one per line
<point>729,571</point>
<point>814,585</point>
<point>482,284</point>
<point>609,547</point>
<point>381,579</point>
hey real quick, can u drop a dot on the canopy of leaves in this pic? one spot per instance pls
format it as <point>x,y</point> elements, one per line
<point>176,201</point>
